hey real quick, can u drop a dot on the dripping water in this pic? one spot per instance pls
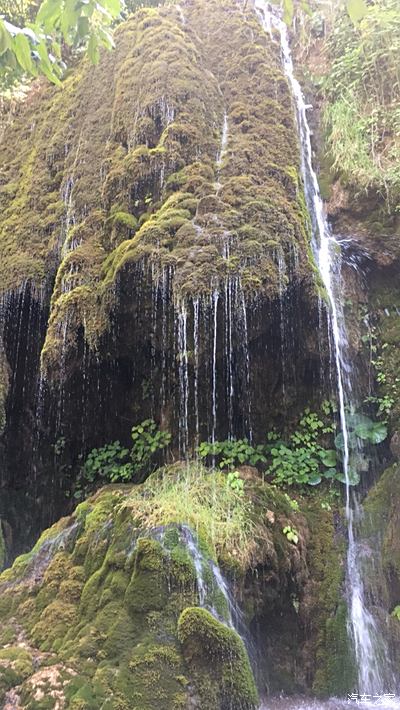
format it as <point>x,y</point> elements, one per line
<point>214,303</point>
<point>183,369</point>
<point>214,592</point>
<point>196,348</point>
<point>224,141</point>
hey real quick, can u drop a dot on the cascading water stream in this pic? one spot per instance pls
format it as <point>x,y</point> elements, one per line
<point>369,644</point>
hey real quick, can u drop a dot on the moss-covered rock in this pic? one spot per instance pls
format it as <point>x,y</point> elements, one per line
<point>97,602</point>
<point>218,661</point>
<point>329,653</point>
<point>120,604</point>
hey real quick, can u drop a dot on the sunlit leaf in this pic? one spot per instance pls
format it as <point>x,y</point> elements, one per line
<point>357,9</point>
<point>5,38</point>
<point>22,51</point>
<point>114,6</point>
<point>49,12</point>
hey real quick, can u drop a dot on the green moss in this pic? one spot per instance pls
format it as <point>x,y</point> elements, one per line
<point>333,658</point>
<point>53,624</point>
<point>117,604</point>
<point>336,671</point>
<point>146,191</point>
<point>380,526</point>
<point>218,661</point>
<point>147,589</point>
<point>15,666</point>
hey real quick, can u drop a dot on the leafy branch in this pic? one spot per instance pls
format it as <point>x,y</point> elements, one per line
<point>37,48</point>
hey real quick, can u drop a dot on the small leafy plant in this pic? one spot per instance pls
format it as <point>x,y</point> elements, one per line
<point>235,482</point>
<point>114,463</point>
<point>108,463</point>
<point>233,453</point>
<point>292,503</point>
<point>291,534</point>
<point>147,439</point>
<point>303,460</point>
<point>396,613</point>
<point>308,457</point>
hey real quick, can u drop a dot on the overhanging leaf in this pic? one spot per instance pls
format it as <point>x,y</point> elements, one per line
<point>22,51</point>
<point>113,6</point>
<point>5,38</point>
<point>48,13</point>
<point>357,9</point>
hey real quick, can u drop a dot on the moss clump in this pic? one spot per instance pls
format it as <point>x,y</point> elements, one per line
<point>331,655</point>
<point>218,661</point>
<point>147,590</point>
<point>15,666</point>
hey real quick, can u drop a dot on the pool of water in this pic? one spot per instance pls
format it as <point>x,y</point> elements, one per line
<point>298,703</point>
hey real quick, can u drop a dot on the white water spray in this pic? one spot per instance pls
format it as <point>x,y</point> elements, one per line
<point>368,642</point>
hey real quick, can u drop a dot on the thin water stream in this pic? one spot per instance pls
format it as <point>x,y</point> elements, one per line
<point>374,675</point>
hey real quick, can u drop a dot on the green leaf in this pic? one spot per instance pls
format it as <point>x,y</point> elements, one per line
<point>378,433</point>
<point>5,38</point>
<point>330,473</point>
<point>48,13</point>
<point>69,19</point>
<point>106,38</point>
<point>353,478</point>
<point>373,432</point>
<point>22,51</point>
<point>328,457</point>
<point>83,27</point>
<point>357,9</point>
<point>45,65</point>
<point>314,480</point>
<point>355,420</point>
<point>113,6</point>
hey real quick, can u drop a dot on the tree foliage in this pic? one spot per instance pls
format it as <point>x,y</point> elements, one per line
<point>37,46</point>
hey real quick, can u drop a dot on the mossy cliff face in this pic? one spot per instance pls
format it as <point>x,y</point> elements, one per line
<point>104,612</point>
<point>153,236</point>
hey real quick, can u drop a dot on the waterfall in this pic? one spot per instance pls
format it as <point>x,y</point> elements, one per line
<point>369,645</point>
<point>214,592</point>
